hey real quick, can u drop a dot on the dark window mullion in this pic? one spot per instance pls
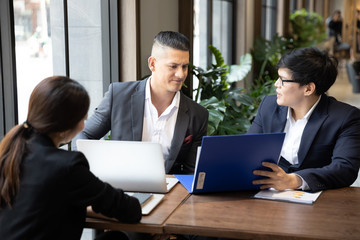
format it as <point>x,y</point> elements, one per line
<point>2,116</point>
<point>8,67</point>
<point>114,41</point>
<point>209,30</point>
<point>105,39</point>
<point>66,39</point>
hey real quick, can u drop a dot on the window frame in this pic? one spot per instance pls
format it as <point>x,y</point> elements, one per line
<point>8,99</point>
<point>112,60</point>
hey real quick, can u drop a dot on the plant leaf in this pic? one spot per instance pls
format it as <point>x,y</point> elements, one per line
<point>239,72</point>
<point>218,57</point>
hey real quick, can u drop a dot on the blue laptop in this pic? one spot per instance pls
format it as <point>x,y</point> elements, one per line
<point>226,163</point>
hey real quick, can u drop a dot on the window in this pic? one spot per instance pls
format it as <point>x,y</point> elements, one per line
<point>202,33</point>
<point>33,48</point>
<point>222,28</point>
<point>8,99</point>
<point>85,47</point>
<point>268,20</point>
<point>55,37</point>
<point>213,24</point>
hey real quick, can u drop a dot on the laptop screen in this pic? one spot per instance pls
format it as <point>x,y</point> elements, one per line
<point>129,165</point>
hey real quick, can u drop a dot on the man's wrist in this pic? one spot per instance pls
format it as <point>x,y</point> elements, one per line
<point>297,181</point>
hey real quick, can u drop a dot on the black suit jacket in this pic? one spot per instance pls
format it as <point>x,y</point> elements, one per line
<point>56,186</point>
<point>329,152</point>
<point>122,112</point>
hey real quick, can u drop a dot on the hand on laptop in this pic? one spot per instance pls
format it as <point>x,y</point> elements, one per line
<point>277,178</point>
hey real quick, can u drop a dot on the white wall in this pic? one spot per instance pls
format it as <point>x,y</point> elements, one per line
<point>336,5</point>
<point>155,16</point>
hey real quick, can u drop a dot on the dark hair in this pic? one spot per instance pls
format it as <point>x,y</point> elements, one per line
<point>172,39</point>
<point>336,12</point>
<point>56,104</point>
<point>311,65</point>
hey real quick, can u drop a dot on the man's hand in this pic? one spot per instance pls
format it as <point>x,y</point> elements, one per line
<point>277,178</point>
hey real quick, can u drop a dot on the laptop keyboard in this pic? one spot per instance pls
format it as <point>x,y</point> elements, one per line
<point>142,197</point>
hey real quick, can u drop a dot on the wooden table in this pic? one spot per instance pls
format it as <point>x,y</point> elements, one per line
<point>152,223</point>
<point>335,215</point>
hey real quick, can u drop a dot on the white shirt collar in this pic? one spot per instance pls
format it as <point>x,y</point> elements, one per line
<point>147,89</point>
<point>175,102</point>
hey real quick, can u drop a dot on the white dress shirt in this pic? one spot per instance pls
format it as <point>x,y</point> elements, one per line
<point>294,131</point>
<point>159,129</point>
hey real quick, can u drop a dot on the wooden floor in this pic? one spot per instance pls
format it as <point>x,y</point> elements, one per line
<point>342,89</point>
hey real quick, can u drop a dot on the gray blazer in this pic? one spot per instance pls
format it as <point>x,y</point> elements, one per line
<point>122,112</point>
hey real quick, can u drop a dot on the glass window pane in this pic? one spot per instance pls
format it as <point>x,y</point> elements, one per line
<point>33,48</point>
<point>85,47</point>
<point>39,25</point>
<point>201,33</point>
<point>213,24</point>
<point>222,28</point>
<point>268,21</point>
<point>201,37</point>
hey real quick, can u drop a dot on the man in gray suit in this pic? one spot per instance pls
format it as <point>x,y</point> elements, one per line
<point>155,109</point>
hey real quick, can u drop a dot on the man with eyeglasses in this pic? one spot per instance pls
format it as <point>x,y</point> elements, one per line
<point>321,149</point>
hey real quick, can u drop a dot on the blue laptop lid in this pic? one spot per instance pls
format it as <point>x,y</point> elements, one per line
<point>226,162</point>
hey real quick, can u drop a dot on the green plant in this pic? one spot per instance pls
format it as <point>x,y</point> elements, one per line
<point>267,54</point>
<point>231,109</point>
<point>307,28</point>
<point>243,108</point>
<point>212,82</point>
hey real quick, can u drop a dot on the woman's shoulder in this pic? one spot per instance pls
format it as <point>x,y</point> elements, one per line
<point>334,104</point>
<point>340,111</point>
<point>42,152</point>
<point>66,160</point>
<point>269,100</point>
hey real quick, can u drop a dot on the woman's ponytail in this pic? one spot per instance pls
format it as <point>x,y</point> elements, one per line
<point>12,151</point>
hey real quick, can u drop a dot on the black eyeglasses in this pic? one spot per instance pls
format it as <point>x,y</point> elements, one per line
<point>282,81</point>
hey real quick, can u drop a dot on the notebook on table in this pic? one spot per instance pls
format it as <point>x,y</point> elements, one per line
<point>132,166</point>
<point>226,163</point>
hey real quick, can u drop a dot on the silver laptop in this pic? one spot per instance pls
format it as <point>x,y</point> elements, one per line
<point>130,165</point>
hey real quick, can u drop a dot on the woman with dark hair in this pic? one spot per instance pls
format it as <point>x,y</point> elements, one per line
<point>321,149</point>
<point>44,191</point>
